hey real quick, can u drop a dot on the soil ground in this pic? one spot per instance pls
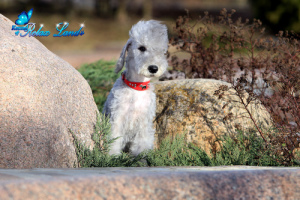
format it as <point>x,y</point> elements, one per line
<point>78,58</point>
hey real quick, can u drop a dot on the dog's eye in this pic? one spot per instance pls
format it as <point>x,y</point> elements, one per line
<point>142,48</point>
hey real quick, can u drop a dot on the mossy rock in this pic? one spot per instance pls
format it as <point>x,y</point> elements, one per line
<point>190,106</point>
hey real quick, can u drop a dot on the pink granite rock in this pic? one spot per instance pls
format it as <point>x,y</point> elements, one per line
<point>41,98</point>
<point>201,183</point>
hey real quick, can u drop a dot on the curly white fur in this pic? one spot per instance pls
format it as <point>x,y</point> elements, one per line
<point>131,112</point>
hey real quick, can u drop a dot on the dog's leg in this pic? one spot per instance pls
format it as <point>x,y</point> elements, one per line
<point>116,147</point>
<point>142,142</point>
<point>116,132</point>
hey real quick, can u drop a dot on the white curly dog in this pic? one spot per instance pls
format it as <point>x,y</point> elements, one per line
<point>131,102</point>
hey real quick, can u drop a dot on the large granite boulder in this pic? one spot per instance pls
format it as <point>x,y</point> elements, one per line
<point>41,98</point>
<point>189,106</point>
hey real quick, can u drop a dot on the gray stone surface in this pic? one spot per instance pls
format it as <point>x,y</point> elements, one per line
<point>226,183</point>
<point>41,98</point>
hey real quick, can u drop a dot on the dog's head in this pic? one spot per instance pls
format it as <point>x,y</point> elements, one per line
<point>146,49</point>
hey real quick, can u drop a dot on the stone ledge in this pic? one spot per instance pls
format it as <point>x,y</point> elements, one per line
<point>238,182</point>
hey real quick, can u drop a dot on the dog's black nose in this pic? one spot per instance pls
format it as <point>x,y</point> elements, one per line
<point>153,69</point>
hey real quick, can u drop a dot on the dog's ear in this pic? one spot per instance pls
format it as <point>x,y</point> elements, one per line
<point>121,60</point>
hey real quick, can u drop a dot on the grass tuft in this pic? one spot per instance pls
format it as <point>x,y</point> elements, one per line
<point>243,149</point>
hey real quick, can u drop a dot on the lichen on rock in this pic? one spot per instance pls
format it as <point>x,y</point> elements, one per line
<point>190,107</point>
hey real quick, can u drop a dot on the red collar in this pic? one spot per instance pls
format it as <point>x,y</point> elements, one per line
<point>140,86</point>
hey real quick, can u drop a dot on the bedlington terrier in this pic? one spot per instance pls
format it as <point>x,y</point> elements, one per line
<point>131,102</point>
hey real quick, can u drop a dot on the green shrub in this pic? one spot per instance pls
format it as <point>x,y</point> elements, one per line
<point>243,149</point>
<point>101,77</point>
<point>177,152</point>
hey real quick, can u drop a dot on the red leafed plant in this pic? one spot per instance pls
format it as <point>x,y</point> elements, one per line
<point>239,52</point>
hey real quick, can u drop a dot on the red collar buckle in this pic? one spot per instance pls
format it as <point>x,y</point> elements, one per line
<point>140,86</point>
